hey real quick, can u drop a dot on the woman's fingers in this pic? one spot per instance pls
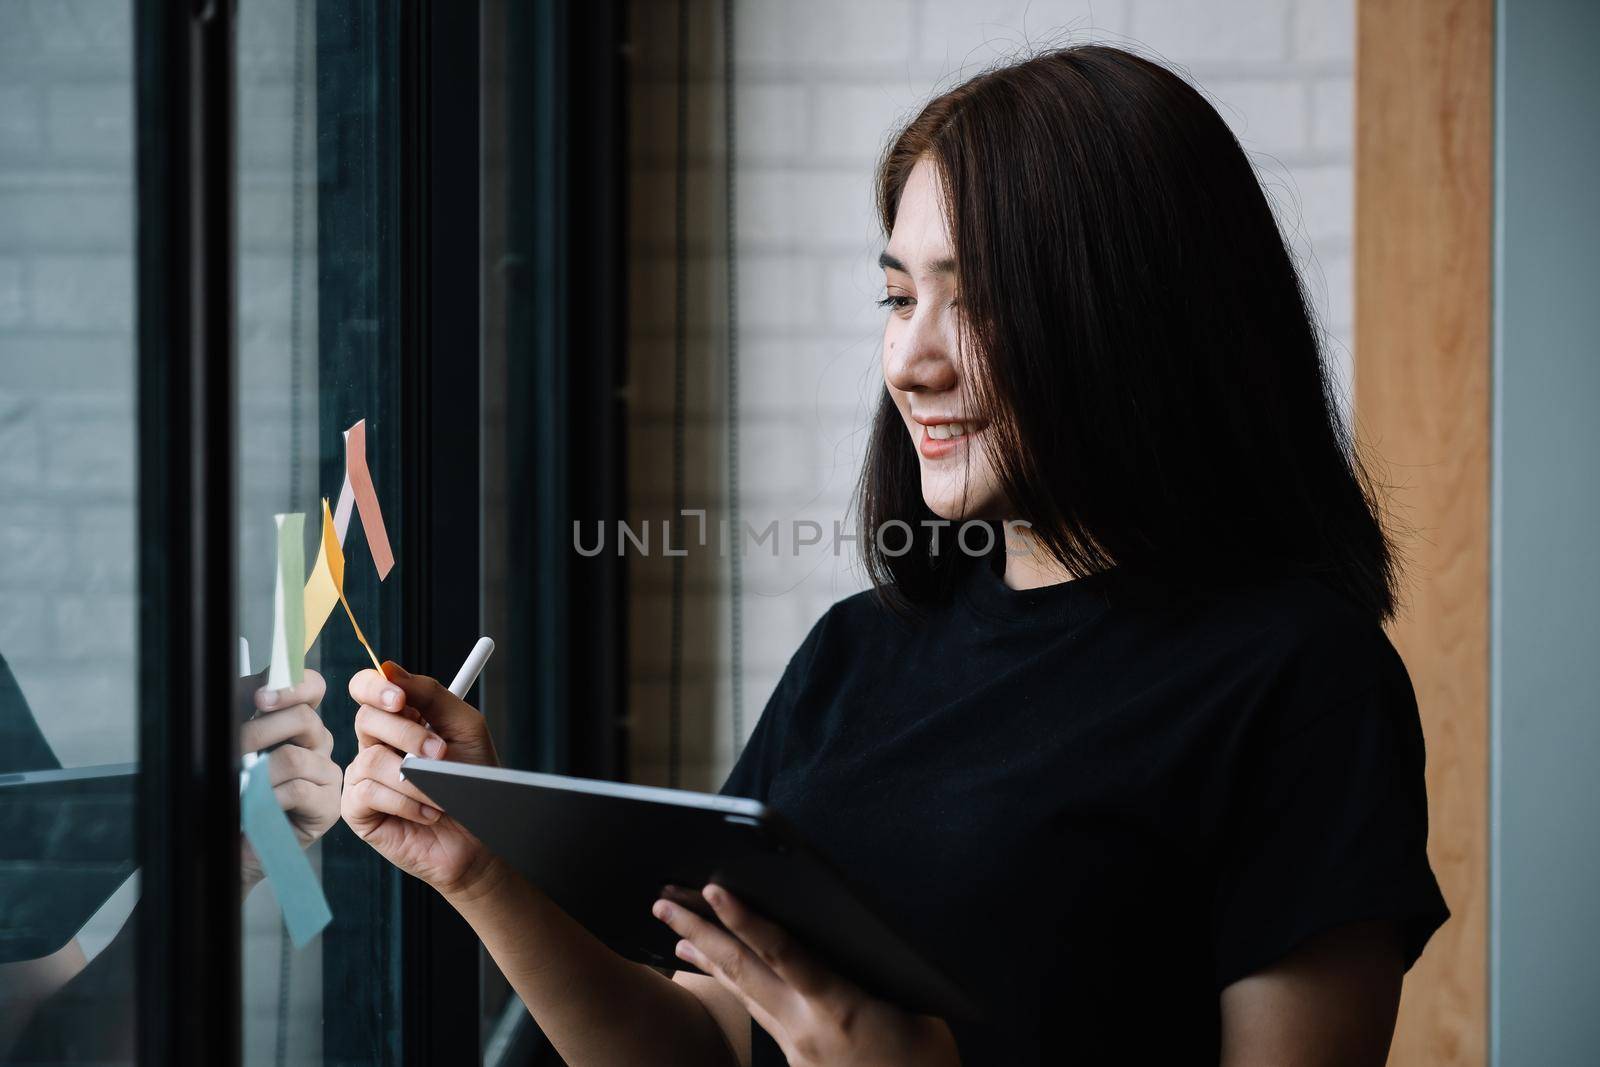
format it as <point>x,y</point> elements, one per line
<point>382,764</point>
<point>447,712</point>
<point>375,797</point>
<point>726,958</point>
<point>395,690</point>
<point>298,724</point>
<point>371,688</point>
<point>772,945</point>
<point>289,762</point>
<point>758,961</point>
<point>377,727</point>
<point>425,701</point>
<point>310,691</point>
<point>368,795</point>
<point>310,808</point>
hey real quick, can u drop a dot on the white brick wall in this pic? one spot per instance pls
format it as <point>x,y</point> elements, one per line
<point>67,581</point>
<point>820,88</point>
<point>67,419</point>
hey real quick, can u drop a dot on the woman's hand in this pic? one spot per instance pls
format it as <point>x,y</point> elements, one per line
<point>401,714</point>
<point>305,780</point>
<point>815,1016</point>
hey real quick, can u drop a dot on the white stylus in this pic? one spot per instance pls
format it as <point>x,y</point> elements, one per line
<point>472,667</point>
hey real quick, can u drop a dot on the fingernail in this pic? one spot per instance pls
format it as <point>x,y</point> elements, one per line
<point>390,698</point>
<point>433,747</point>
<point>661,910</point>
<point>713,894</point>
<point>684,951</point>
<point>266,697</point>
<point>431,814</point>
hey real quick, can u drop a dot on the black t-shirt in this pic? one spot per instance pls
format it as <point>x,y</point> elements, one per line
<point>22,746</point>
<point>1100,802</point>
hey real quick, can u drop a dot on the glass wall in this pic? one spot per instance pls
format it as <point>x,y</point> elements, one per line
<point>68,528</point>
<point>339,311</point>
<point>318,407</point>
<point>554,310</point>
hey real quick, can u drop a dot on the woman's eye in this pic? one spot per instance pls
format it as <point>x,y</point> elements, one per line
<point>896,303</point>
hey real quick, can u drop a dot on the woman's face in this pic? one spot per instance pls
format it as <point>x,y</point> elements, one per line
<point>922,361</point>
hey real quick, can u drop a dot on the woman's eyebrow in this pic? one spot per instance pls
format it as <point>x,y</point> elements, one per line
<point>947,265</point>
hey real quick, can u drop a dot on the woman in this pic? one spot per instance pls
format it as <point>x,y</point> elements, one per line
<point>1147,775</point>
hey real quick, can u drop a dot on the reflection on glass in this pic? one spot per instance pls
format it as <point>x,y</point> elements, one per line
<point>317,345</point>
<point>317,353</point>
<point>499,1010</point>
<point>68,653</point>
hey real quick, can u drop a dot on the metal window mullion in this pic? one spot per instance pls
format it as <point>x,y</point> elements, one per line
<point>189,922</point>
<point>441,502</point>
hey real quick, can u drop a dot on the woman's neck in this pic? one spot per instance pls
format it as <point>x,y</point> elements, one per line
<point>1029,564</point>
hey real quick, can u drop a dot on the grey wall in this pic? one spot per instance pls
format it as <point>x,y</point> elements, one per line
<point>1546,634</point>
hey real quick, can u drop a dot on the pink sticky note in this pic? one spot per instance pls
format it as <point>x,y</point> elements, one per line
<point>355,465</point>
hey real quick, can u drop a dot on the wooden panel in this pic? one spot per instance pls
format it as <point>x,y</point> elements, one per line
<point>1424,103</point>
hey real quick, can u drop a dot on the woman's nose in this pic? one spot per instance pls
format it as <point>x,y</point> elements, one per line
<point>921,359</point>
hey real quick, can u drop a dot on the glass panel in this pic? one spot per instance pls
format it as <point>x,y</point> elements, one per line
<point>68,529</point>
<point>505,296</point>
<point>318,353</point>
<point>518,602</point>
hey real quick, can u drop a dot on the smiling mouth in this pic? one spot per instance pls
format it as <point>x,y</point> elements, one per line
<point>940,439</point>
<point>945,431</point>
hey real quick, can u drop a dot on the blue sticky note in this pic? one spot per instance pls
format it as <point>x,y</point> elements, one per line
<point>294,883</point>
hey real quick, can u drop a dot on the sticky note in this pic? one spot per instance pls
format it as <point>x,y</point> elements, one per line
<point>294,883</point>
<point>355,465</point>
<point>331,558</point>
<point>288,612</point>
<point>347,497</point>
<point>321,592</point>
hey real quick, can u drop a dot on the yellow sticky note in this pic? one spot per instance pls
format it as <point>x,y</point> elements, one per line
<point>330,570</point>
<point>356,626</point>
<point>322,593</point>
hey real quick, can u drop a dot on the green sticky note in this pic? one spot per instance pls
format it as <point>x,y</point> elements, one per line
<point>288,604</point>
<point>292,563</point>
<point>294,884</point>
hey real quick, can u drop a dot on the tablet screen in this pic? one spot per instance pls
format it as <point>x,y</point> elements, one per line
<point>66,844</point>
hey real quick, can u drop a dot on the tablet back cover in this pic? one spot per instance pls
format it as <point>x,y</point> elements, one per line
<point>603,852</point>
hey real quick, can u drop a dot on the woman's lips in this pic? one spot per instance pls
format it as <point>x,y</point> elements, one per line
<point>952,436</point>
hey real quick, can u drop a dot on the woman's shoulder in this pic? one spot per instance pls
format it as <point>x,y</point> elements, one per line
<point>864,619</point>
<point>1320,651</point>
<point>1305,610</point>
<point>864,627</point>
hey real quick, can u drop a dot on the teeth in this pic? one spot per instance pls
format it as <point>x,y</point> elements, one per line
<point>943,431</point>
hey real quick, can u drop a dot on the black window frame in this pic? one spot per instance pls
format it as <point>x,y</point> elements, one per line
<point>573,329</point>
<point>440,403</point>
<point>188,932</point>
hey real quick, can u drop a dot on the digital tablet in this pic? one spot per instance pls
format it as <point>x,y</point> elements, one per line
<point>66,844</point>
<point>603,851</point>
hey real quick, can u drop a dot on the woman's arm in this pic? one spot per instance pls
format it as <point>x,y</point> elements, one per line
<point>593,1005</point>
<point>25,984</point>
<point>1331,1001</point>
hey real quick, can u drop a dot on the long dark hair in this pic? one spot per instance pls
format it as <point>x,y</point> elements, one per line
<point>1145,355</point>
